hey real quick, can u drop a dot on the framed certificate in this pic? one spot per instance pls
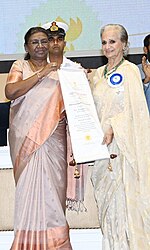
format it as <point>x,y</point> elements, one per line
<point>84,126</point>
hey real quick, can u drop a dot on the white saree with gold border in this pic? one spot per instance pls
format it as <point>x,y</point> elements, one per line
<point>123,194</point>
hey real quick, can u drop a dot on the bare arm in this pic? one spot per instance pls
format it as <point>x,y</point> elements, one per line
<point>17,87</point>
<point>14,90</point>
<point>108,137</point>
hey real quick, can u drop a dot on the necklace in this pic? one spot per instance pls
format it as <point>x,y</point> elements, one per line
<point>33,67</point>
<point>107,73</point>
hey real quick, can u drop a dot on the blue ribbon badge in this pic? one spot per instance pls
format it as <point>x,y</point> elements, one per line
<point>115,80</point>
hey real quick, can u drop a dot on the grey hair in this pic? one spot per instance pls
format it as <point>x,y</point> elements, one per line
<point>123,35</point>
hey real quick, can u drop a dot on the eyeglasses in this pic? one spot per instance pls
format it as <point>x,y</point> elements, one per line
<point>43,42</point>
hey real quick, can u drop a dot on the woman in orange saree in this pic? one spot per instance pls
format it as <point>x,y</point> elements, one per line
<point>37,138</point>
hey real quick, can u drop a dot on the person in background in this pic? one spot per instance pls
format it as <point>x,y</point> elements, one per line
<point>56,33</point>
<point>122,183</point>
<point>75,187</point>
<point>144,76</point>
<point>37,138</point>
<point>146,66</point>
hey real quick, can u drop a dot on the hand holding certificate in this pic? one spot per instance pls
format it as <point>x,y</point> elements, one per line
<point>84,126</point>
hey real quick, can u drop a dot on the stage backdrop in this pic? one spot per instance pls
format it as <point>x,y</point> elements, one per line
<point>84,17</point>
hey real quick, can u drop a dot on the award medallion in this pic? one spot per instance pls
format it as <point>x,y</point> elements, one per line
<point>115,80</point>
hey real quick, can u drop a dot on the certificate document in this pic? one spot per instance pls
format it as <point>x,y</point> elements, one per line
<point>84,126</point>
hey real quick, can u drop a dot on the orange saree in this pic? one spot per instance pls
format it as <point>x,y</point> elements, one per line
<point>37,138</point>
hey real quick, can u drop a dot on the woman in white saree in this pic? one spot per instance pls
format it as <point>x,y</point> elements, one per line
<point>122,183</point>
<point>37,138</point>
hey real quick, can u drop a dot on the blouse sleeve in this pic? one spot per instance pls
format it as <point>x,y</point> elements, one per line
<point>16,72</point>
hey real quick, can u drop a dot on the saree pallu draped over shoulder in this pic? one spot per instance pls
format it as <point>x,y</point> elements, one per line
<point>123,194</point>
<point>37,139</point>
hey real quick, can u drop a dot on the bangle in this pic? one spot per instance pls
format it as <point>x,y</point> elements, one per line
<point>39,76</point>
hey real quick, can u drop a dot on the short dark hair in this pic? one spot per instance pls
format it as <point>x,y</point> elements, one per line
<point>147,41</point>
